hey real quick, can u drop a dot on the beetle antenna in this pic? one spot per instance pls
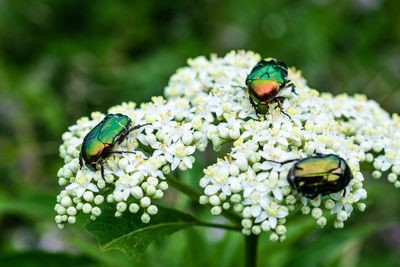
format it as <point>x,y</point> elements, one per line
<point>283,112</point>
<point>239,86</point>
<point>102,168</point>
<point>80,160</point>
<point>120,152</point>
<point>292,87</point>
<point>282,162</point>
<point>138,126</point>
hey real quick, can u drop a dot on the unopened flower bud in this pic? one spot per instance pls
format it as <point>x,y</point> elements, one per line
<point>87,208</point>
<point>121,207</point>
<point>133,208</point>
<point>145,202</point>
<point>152,210</point>
<point>145,218</point>
<point>96,211</point>
<point>216,210</point>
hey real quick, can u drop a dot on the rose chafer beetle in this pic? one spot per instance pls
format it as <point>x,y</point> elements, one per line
<point>99,142</point>
<point>264,82</point>
<point>318,175</point>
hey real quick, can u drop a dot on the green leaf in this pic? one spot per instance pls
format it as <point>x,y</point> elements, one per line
<point>39,258</point>
<point>37,205</point>
<point>91,250</point>
<point>328,245</point>
<point>129,235</point>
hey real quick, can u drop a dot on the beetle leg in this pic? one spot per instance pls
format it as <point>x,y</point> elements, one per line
<point>286,114</point>
<point>254,105</point>
<point>102,168</point>
<point>80,160</point>
<point>292,86</point>
<point>279,100</point>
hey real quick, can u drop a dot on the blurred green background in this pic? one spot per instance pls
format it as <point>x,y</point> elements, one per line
<point>62,59</point>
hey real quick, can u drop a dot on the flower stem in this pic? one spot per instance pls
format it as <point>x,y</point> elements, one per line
<point>195,195</point>
<point>251,250</point>
<point>217,225</point>
<point>184,188</point>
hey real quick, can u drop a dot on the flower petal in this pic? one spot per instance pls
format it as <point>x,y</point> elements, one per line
<point>92,187</point>
<point>255,210</point>
<point>211,189</point>
<point>277,194</point>
<point>272,221</point>
<point>80,191</point>
<point>261,217</point>
<point>188,162</point>
<point>72,186</point>
<point>175,163</point>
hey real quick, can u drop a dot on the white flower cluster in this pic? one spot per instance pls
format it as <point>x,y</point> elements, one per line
<point>206,102</point>
<point>167,141</point>
<point>375,131</point>
<point>353,128</point>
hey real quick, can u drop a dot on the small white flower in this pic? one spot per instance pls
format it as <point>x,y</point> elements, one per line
<point>125,183</point>
<point>272,183</point>
<point>208,102</point>
<point>219,180</point>
<point>151,167</point>
<point>135,160</point>
<point>83,183</point>
<point>177,153</point>
<point>256,129</point>
<point>177,130</point>
<point>347,201</point>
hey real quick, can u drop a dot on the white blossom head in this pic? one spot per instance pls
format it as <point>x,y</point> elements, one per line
<point>207,103</point>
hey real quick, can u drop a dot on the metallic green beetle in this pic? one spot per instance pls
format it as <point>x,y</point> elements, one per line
<point>318,175</point>
<point>264,82</point>
<point>99,142</point>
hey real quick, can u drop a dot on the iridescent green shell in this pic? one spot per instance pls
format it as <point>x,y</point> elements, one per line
<point>270,69</point>
<point>98,142</point>
<point>319,175</point>
<point>113,126</point>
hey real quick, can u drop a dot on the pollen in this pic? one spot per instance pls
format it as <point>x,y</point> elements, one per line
<point>173,91</point>
<point>292,111</point>
<point>209,171</point>
<point>82,120</point>
<point>220,177</point>
<point>150,118</point>
<point>197,124</point>
<point>181,151</point>
<point>272,209</point>
<point>82,179</point>
<point>154,161</point>
<point>273,181</point>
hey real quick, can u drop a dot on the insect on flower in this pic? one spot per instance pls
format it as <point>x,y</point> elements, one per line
<point>318,175</point>
<point>264,82</point>
<point>99,142</point>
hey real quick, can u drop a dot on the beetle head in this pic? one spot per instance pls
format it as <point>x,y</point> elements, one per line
<point>92,166</point>
<point>262,108</point>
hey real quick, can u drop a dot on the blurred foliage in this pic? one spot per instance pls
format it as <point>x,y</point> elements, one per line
<point>60,60</point>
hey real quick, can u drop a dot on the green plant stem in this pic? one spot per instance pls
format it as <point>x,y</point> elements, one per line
<point>251,250</point>
<point>191,192</point>
<point>217,225</point>
<point>195,195</point>
<point>184,188</point>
